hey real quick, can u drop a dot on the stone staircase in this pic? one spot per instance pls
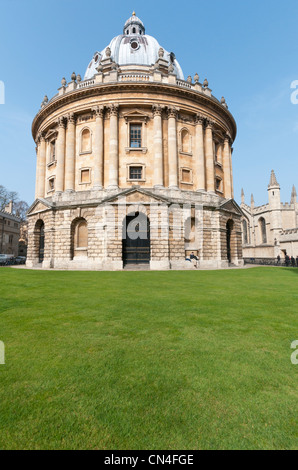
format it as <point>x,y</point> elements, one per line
<point>137,267</point>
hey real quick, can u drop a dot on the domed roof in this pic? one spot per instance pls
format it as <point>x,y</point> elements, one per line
<point>133,20</point>
<point>133,47</point>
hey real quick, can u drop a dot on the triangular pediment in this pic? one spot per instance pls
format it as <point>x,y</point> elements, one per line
<point>136,196</point>
<point>231,206</point>
<point>136,114</point>
<point>39,205</point>
<point>51,133</point>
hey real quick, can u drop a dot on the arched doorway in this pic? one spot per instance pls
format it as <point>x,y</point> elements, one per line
<point>136,239</point>
<point>230,226</point>
<point>41,243</point>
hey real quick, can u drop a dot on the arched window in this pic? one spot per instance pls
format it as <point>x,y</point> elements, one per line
<point>134,30</point>
<point>262,227</point>
<point>79,232</point>
<point>82,235</point>
<point>190,230</point>
<point>185,141</point>
<point>245,232</point>
<point>85,141</point>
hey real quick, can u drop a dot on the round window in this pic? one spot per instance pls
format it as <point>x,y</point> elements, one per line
<point>134,45</point>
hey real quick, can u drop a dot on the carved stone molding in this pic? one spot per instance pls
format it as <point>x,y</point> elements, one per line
<point>224,117</point>
<point>40,138</point>
<point>71,118</point>
<point>61,122</point>
<point>209,124</point>
<point>156,110</point>
<point>227,137</point>
<point>114,109</point>
<point>172,112</point>
<point>199,119</point>
<point>98,111</point>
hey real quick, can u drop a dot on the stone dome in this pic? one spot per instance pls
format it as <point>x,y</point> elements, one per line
<point>133,47</point>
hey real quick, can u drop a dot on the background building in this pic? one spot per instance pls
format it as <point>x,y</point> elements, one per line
<point>9,232</point>
<point>270,230</point>
<point>134,139</point>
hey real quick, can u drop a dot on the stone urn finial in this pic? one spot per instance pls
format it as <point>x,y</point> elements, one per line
<point>189,79</point>
<point>196,78</point>
<point>79,78</point>
<point>108,52</point>
<point>206,83</point>
<point>223,102</point>
<point>63,82</point>
<point>73,76</point>
<point>161,53</point>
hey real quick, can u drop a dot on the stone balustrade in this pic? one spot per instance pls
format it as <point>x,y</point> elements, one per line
<point>151,76</point>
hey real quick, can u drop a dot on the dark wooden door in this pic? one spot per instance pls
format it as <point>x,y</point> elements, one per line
<point>136,239</point>
<point>41,244</point>
<point>229,242</point>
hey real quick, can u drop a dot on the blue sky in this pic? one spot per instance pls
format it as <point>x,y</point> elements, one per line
<point>248,50</point>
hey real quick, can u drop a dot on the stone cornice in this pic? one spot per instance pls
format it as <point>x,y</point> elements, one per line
<point>167,90</point>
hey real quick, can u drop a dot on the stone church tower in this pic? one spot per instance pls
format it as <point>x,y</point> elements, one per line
<point>134,165</point>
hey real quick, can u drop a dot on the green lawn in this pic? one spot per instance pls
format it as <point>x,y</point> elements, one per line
<point>149,360</point>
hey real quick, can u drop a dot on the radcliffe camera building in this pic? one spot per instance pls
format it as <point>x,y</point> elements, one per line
<point>134,146</point>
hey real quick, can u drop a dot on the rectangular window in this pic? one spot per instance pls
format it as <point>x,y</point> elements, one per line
<point>53,151</point>
<point>218,184</point>
<point>51,184</point>
<point>216,152</point>
<point>135,135</point>
<point>85,176</point>
<point>10,239</point>
<point>186,176</point>
<point>135,172</point>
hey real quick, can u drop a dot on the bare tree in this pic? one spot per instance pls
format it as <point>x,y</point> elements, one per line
<point>20,208</point>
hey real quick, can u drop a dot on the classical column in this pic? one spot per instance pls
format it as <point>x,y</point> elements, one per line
<point>209,152</point>
<point>172,148</point>
<point>70,153</point>
<point>227,168</point>
<point>98,148</point>
<point>158,153</point>
<point>41,166</point>
<point>113,154</point>
<point>231,168</point>
<point>60,152</point>
<point>199,154</point>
